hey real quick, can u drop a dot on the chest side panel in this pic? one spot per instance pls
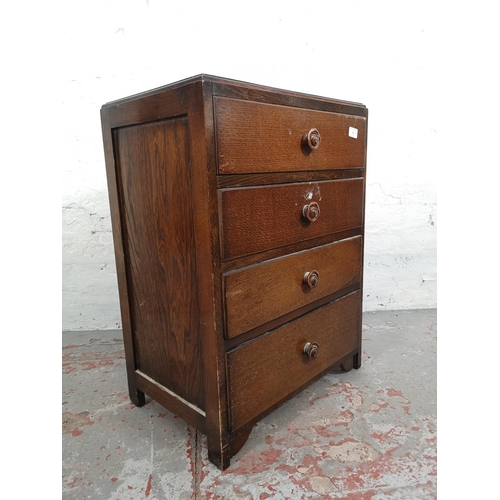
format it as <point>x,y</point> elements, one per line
<point>154,180</point>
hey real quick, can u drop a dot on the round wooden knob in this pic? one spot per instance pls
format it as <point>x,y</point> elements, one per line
<point>311,211</point>
<point>311,349</point>
<point>312,139</point>
<point>311,278</point>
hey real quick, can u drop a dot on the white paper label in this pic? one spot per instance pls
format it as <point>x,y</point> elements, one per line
<point>353,132</point>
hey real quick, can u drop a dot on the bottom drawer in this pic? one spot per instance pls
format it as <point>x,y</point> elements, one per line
<point>266,370</point>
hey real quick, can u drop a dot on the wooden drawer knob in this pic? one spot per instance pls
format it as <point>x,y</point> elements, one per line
<point>312,139</point>
<point>311,278</point>
<point>311,349</point>
<point>311,211</point>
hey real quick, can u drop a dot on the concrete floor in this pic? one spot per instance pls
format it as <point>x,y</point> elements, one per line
<point>367,434</point>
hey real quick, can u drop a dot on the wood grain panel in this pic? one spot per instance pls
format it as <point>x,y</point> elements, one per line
<point>188,412</point>
<point>266,370</point>
<point>261,93</point>
<point>255,137</point>
<point>136,395</point>
<point>236,180</point>
<point>249,260</point>
<point>261,218</point>
<point>159,242</point>
<point>209,281</point>
<point>147,108</point>
<point>261,293</point>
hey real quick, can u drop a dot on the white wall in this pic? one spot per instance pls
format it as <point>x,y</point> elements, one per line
<point>379,53</point>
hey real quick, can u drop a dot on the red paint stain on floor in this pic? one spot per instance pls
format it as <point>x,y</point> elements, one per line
<point>360,495</point>
<point>293,438</point>
<point>312,464</point>
<point>381,436</point>
<point>271,456</point>
<point>90,365</point>
<point>212,496</point>
<point>343,388</point>
<point>393,393</point>
<point>203,474</point>
<point>324,431</point>
<point>149,485</point>
<point>287,468</point>
<point>253,463</point>
<point>71,422</point>
<point>344,417</point>
<point>67,368</point>
<point>376,407</point>
<point>189,449</point>
<point>73,482</point>
<point>354,482</point>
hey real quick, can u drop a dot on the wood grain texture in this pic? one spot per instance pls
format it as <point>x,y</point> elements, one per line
<point>136,395</point>
<point>267,369</point>
<point>250,91</point>
<point>261,218</point>
<point>159,241</point>
<point>269,95</point>
<point>254,137</point>
<point>241,180</point>
<point>291,316</point>
<point>148,108</point>
<point>274,253</point>
<point>210,318</point>
<point>162,395</point>
<point>264,292</point>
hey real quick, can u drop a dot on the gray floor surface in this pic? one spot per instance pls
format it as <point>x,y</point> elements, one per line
<point>366,434</point>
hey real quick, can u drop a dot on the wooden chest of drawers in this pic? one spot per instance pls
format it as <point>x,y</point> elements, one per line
<point>238,223</point>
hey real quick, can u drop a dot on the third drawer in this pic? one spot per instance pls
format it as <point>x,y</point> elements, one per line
<point>259,294</point>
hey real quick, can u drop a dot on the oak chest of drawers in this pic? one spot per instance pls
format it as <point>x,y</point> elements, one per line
<point>238,225</point>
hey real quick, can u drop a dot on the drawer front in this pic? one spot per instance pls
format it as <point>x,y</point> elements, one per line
<point>261,293</point>
<point>261,218</point>
<point>263,372</point>
<point>254,137</point>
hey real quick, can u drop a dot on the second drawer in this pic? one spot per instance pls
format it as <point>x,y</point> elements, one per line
<point>256,219</point>
<point>259,294</point>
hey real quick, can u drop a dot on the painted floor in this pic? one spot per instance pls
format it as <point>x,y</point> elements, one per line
<point>366,434</point>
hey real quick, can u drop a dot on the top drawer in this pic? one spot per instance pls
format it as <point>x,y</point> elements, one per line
<point>253,138</point>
